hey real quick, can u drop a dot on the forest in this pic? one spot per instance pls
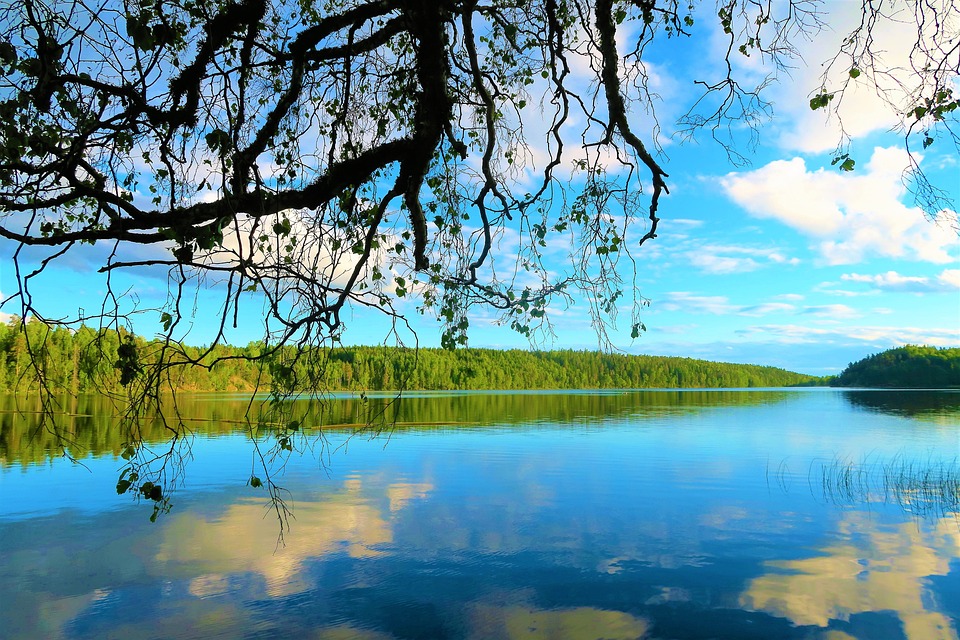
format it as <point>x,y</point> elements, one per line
<point>909,367</point>
<point>91,360</point>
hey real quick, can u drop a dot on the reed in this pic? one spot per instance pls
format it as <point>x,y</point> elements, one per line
<point>923,487</point>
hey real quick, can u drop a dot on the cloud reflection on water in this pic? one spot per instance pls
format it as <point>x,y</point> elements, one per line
<point>870,567</point>
<point>243,539</point>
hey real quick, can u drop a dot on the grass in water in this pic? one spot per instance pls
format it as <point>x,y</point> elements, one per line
<point>924,488</point>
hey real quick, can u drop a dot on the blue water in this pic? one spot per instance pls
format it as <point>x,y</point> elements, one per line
<point>790,514</point>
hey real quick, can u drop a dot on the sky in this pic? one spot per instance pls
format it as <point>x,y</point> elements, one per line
<point>785,261</point>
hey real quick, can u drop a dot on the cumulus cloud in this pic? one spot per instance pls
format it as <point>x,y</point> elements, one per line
<point>849,216</point>
<point>947,281</point>
<point>862,109</point>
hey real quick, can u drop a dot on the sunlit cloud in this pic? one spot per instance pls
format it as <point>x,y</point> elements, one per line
<point>862,109</point>
<point>849,216</point>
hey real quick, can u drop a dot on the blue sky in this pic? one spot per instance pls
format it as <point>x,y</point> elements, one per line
<point>786,261</point>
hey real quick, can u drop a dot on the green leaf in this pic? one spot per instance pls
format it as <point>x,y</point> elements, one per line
<point>255,482</point>
<point>820,101</point>
<point>854,73</point>
<point>848,164</point>
<point>218,140</point>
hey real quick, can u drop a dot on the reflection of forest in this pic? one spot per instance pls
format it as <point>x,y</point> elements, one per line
<point>871,568</point>
<point>928,405</point>
<point>91,423</point>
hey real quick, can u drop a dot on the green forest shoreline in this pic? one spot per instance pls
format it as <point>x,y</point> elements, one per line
<point>908,367</point>
<point>87,360</point>
<point>90,361</point>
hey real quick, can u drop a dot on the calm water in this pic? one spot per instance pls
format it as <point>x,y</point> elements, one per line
<point>808,514</point>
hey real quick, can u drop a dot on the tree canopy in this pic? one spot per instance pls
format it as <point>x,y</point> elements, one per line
<point>81,362</point>
<point>909,367</point>
<point>352,152</point>
<point>343,154</point>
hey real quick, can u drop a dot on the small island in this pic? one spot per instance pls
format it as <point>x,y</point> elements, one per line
<point>909,367</point>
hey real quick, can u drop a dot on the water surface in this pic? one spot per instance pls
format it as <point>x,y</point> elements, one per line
<point>649,514</point>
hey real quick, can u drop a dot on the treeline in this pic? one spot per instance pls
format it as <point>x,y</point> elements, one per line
<point>89,360</point>
<point>909,367</point>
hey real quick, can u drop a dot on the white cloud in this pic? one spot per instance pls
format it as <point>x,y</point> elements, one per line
<point>674,329</point>
<point>690,223</point>
<point>723,264</point>
<point>845,293</point>
<point>4,316</point>
<point>686,302</point>
<point>848,216</point>
<point>882,336</point>
<point>767,308</point>
<point>832,311</point>
<point>724,259</point>
<point>861,108</point>
<point>947,281</point>
<point>950,277</point>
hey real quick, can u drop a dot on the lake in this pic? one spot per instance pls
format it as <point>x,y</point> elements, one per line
<point>808,513</point>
